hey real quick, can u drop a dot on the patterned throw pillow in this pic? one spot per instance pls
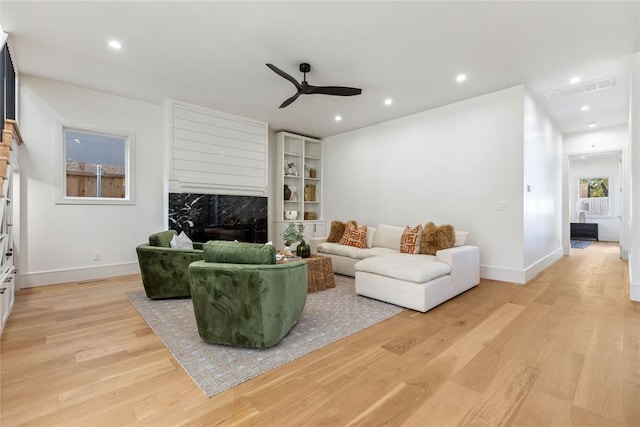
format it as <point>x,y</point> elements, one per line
<point>410,240</point>
<point>354,235</point>
<point>436,238</point>
<point>336,232</point>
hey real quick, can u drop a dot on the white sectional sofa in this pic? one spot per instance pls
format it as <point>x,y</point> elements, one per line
<point>418,282</point>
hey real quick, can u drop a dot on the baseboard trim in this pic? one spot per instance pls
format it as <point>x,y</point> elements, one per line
<point>634,292</point>
<point>520,277</point>
<point>502,274</point>
<point>538,267</point>
<point>52,277</point>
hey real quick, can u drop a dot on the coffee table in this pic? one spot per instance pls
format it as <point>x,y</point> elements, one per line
<point>319,271</point>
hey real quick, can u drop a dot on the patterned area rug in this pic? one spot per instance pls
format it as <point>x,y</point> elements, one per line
<point>580,244</point>
<point>328,316</point>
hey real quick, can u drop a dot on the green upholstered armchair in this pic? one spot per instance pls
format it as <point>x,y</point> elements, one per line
<point>241,297</point>
<point>164,269</point>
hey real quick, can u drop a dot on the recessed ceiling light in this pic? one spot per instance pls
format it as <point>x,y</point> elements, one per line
<point>461,77</point>
<point>337,118</point>
<point>575,80</point>
<point>115,44</point>
<point>388,101</point>
<point>585,108</point>
<point>592,124</point>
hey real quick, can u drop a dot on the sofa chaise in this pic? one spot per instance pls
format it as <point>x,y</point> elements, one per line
<point>415,281</point>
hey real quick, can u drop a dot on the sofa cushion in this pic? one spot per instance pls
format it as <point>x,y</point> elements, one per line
<point>238,252</point>
<point>162,238</point>
<point>416,268</point>
<point>388,236</point>
<point>371,232</point>
<point>410,240</point>
<point>354,235</point>
<point>352,252</point>
<point>461,238</point>
<point>336,232</point>
<point>436,238</point>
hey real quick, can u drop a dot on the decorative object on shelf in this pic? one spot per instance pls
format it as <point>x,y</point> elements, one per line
<point>310,216</point>
<point>307,173</point>
<point>293,169</point>
<point>583,208</point>
<point>287,192</point>
<point>291,215</point>
<point>312,173</point>
<point>309,193</point>
<point>294,194</point>
<point>303,250</point>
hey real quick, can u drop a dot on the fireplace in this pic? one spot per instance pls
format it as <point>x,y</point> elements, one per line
<point>206,217</point>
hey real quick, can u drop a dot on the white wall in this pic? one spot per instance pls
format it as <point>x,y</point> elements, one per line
<point>598,167</point>
<point>542,189</point>
<point>57,241</point>
<point>597,141</point>
<point>634,220</point>
<point>448,165</point>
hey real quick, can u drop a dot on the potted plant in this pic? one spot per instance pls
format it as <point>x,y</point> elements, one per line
<point>293,233</point>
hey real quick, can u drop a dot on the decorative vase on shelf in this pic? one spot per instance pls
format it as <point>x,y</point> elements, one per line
<point>287,192</point>
<point>303,250</point>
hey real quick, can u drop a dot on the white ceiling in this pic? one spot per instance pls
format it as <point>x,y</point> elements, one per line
<point>214,53</point>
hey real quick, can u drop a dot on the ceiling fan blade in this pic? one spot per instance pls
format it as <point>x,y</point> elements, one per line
<point>290,100</point>
<point>281,73</point>
<point>334,90</point>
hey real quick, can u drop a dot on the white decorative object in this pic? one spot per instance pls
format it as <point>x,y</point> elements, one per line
<point>294,194</point>
<point>181,241</point>
<point>291,215</point>
<point>583,208</point>
<point>293,169</point>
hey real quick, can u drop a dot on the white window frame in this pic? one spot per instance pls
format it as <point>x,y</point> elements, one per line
<point>61,167</point>
<point>611,194</point>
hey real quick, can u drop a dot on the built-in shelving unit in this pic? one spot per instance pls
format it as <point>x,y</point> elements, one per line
<point>299,185</point>
<point>11,138</point>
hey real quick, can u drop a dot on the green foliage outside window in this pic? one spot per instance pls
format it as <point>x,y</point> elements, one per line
<point>594,187</point>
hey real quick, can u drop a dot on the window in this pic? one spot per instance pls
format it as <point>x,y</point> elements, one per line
<point>595,193</point>
<point>96,166</point>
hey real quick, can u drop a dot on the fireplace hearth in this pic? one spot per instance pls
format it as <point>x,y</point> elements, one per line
<point>206,217</point>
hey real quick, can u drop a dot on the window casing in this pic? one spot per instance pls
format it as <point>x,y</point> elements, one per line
<point>95,166</point>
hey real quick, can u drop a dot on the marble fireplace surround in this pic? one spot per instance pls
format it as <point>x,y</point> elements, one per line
<point>206,217</point>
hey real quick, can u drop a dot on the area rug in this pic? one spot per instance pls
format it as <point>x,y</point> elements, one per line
<point>328,316</point>
<point>580,244</point>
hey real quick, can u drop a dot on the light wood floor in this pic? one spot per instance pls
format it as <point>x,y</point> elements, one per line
<point>562,350</point>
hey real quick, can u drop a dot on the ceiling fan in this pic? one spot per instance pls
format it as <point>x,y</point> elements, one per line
<point>305,88</point>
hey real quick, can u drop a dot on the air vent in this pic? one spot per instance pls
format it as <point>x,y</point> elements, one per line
<point>591,86</point>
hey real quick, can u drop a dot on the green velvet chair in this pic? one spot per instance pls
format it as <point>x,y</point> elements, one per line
<point>241,297</point>
<point>164,269</point>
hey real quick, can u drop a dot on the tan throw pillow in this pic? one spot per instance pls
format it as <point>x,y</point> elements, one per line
<point>336,232</point>
<point>354,236</point>
<point>436,238</point>
<point>410,240</point>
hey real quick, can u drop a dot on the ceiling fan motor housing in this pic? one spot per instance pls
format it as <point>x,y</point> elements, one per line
<point>305,68</point>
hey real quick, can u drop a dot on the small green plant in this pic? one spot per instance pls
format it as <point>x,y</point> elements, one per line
<point>293,233</point>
